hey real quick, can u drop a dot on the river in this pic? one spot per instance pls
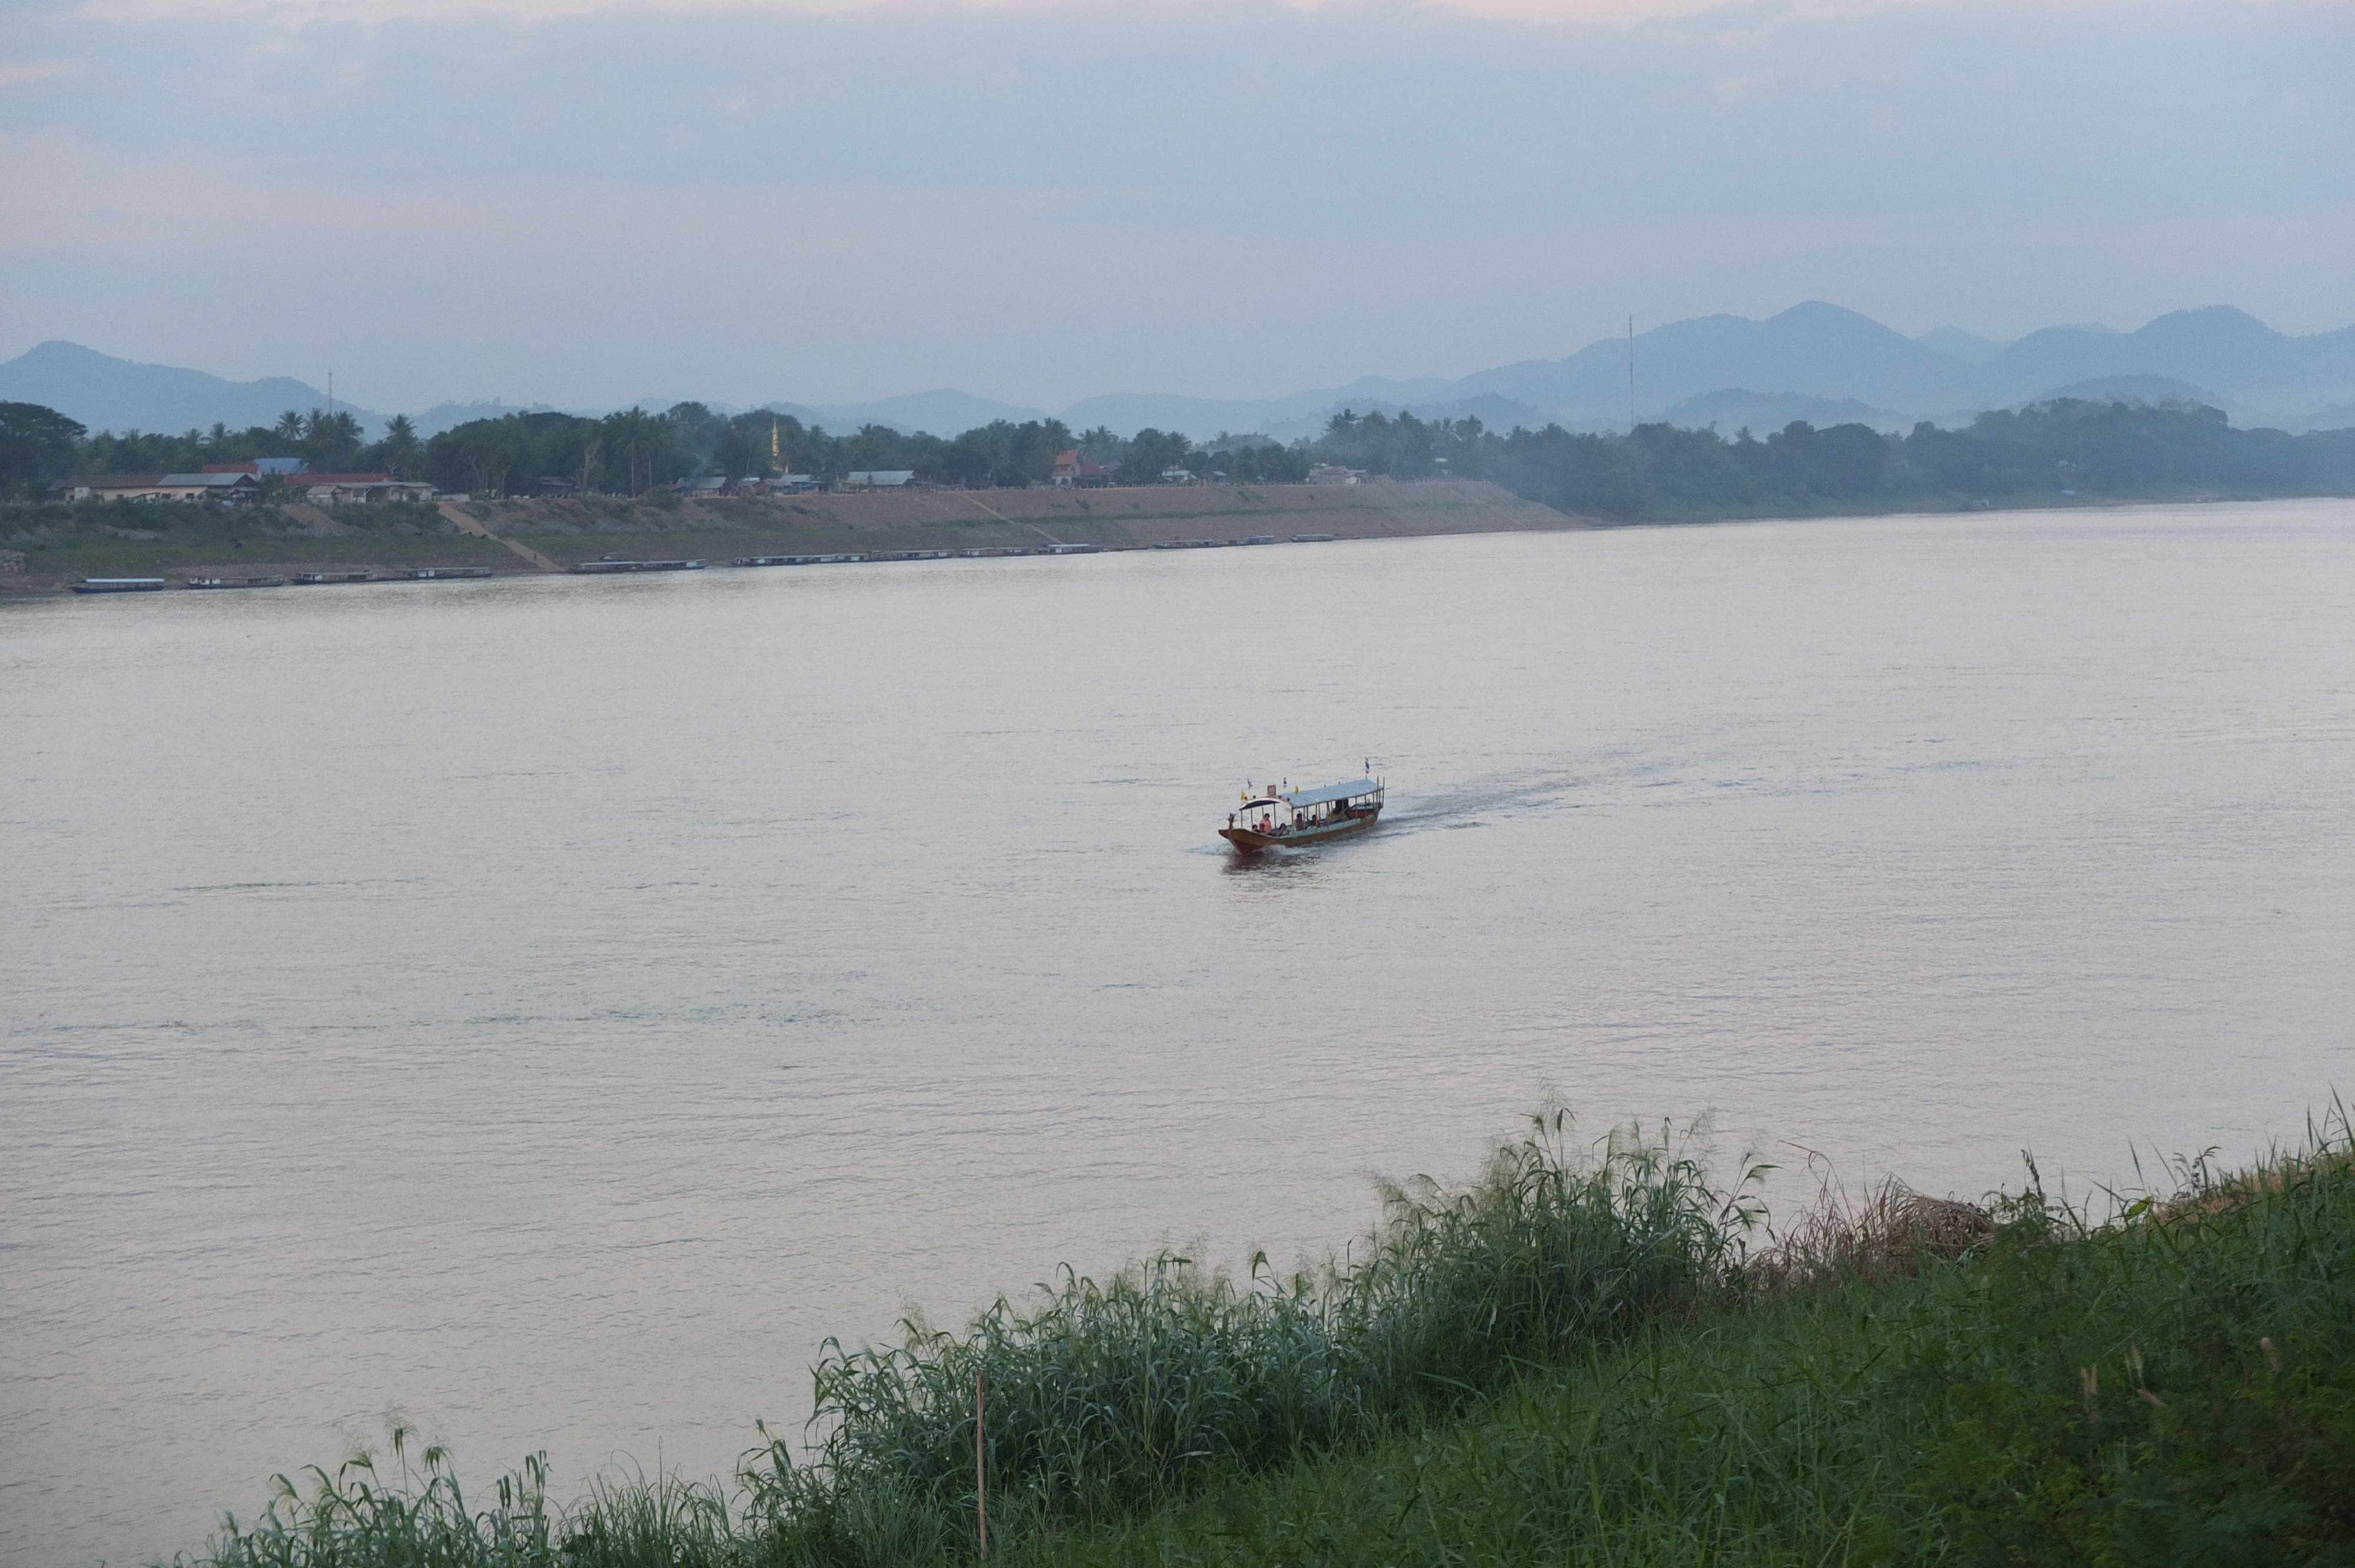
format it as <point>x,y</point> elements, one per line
<point>546,1008</point>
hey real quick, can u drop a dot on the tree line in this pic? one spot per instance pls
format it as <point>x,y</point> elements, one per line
<point>1659,470</point>
<point>40,446</point>
<point>628,452</point>
<point>1656,470</point>
<point>632,452</point>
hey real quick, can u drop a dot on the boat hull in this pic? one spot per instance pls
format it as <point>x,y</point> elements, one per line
<point>1251,841</point>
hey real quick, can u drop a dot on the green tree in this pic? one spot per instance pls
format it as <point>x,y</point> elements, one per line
<point>1102,448</point>
<point>402,451</point>
<point>742,450</point>
<point>330,441</point>
<point>1151,452</point>
<point>489,448</point>
<point>639,438</point>
<point>696,433</point>
<point>37,444</point>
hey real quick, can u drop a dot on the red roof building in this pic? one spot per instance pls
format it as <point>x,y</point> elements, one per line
<point>1072,469</point>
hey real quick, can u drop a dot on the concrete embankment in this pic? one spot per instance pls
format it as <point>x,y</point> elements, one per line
<point>576,530</point>
<point>557,535</point>
<point>465,524</point>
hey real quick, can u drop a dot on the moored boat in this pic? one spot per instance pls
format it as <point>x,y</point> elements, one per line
<point>1299,817</point>
<point>119,584</point>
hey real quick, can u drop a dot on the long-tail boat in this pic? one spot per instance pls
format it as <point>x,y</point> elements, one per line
<point>1293,818</point>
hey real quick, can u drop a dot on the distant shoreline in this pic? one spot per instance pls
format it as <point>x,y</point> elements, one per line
<point>546,537</point>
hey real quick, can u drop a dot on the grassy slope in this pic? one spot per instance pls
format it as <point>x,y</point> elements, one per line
<point>2175,1395</point>
<point>2177,1387</point>
<point>1892,504</point>
<point>61,543</point>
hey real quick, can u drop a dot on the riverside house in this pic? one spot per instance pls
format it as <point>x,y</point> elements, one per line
<point>226,488</point>
<point>1072,471</point>
<point>334,489</point>
<point>106,486</point>
<point>330,489</point>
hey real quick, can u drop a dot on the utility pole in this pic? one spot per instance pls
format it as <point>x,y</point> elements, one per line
<point>1631,377</point>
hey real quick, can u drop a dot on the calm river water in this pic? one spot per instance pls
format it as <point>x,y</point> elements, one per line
<point>548,1008</point>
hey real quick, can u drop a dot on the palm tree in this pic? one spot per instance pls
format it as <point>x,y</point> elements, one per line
<point>401,448</point>
<point>332,438</point>
<point>637,434</point>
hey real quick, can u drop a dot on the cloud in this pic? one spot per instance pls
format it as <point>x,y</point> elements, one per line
<point>1230,200</point>
<point>16,72</point>
<point>1603,13</point>
<point>1349,120</point>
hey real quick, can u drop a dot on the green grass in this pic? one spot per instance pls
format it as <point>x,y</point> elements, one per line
<point>2171,1393</point>
<point>1566,1361</point>
<point>1673,509</point>
<point>63,542</point>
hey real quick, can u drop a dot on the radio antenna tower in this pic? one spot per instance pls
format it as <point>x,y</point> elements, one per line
<point>1631,377</point>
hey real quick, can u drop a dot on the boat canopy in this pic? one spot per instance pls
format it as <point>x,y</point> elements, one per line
<point>1349,791</point>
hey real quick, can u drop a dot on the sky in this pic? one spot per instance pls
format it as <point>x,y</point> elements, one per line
<point>834,200</point>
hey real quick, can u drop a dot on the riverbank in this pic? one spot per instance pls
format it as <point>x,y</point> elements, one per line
<point>62,544</point>
<point>1574,1359</point>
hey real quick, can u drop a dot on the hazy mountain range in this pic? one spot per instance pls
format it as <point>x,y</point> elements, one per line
<point>1813,362</point>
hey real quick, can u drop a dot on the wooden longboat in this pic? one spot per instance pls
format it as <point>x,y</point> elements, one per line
<point>1297,818</point>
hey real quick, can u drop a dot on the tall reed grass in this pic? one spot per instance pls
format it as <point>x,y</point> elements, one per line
<point>1105,1397</point>
<point>1581,1355</point>
<point>416,1515</point>
<point>2170,1385</point>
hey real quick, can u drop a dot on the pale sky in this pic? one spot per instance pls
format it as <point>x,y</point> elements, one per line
<point>587,204</point>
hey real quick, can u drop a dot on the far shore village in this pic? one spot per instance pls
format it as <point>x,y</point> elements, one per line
<point>287,479</point>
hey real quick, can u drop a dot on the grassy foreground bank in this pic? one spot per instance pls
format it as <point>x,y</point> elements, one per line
<point>1611,1360</point>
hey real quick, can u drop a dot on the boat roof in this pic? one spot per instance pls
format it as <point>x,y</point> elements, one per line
<point>1349,790</point>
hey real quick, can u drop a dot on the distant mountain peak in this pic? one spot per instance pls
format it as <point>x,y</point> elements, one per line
<point>1750,367</point>
<point>1968,346</point>
<point>2210,321</point>
<point>104,393</point>
<point>1807,311</point>
<point>62,348</point>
